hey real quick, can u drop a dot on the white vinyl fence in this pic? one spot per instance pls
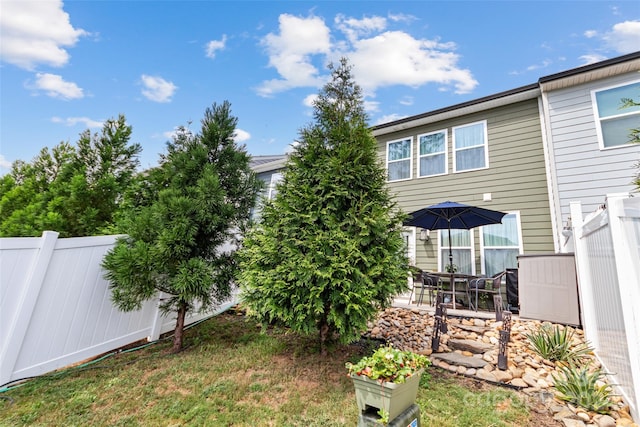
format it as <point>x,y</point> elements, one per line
<point>607,252</point>
<point>56,309</point>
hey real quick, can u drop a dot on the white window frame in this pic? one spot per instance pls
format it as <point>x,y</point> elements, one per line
<point>598,120</point>
<point>446,153</point>
<point>520,243</point>
<point>410,158</point>
<point>443,260</point>
<point>485,145</point>
<point>409,236</point>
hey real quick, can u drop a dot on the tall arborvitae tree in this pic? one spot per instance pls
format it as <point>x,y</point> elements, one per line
<point>182,235</point>
<point>328,254</point>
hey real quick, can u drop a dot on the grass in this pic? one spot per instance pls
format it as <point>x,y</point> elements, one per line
<point>232,374</point>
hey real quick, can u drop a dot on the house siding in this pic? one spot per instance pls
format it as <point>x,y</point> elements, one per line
<point>516,177</point>
<point>584,172</point>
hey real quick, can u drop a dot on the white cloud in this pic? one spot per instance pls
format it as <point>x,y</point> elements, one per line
<point>36,32</point>
<point>396,58</point>
<point>544,64</point>
<point>309,100</point>
<point>241,135</point>
<point>592,59</point>
<point>401,17</point>
<point>624,37</point>
<point>4,163</point>
<point>356,28</point>
<point>157,89</point>
<point>55,87</point>
<point>291,147</point>
<point>72,121</point>
<point>406,100</point>
<point>215,45</point>
<point>371,106</point>
<point>379,57</point>
<point>290,53</point>
<point>389,118</point>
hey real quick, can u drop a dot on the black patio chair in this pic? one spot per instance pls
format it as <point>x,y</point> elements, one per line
<point>423,282</point>
<point>486,285</point>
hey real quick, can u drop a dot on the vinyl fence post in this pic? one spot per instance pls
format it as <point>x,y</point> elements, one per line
<point>18,327</point>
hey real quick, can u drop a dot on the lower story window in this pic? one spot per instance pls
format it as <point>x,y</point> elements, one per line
<point>501,244</point>
<point>461,249</point>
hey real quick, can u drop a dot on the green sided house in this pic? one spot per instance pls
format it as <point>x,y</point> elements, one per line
<point>488,152</point>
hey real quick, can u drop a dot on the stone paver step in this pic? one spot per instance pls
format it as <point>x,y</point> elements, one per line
<point>460,360</point>
<point>473,346</point>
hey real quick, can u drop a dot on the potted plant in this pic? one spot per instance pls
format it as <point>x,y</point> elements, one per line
<point>451,268</point>
<point>387,381</point>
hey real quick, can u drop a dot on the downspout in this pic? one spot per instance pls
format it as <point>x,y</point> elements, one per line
<point>550,169</point>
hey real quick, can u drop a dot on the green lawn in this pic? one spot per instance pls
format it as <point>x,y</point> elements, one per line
<point>232,374</point>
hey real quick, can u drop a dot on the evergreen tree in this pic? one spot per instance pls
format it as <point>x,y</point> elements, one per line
<point>328,254</point>
<point>73,190</point>
<point>181,236</point>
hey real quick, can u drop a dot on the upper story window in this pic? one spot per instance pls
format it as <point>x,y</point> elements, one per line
<point>399,159</point>
<point>614,122</point>
<point>470,147</point>
<point>432,153</point>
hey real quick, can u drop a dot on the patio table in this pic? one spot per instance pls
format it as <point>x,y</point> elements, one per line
<point>458,278</point>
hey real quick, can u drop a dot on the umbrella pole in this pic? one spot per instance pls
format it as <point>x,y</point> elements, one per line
<point>451,279</point>
<point>450,252</point>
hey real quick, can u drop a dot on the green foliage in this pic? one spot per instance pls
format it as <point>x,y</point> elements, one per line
<point>451,268</point>
<point>328,252</point>
<point>584,387</point>
<point>557,343</point>
<point>182,221</point>
<point>388,364</point>
<point>75,191</point>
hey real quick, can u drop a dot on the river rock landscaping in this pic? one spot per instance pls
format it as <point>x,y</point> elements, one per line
<point>470,348</point>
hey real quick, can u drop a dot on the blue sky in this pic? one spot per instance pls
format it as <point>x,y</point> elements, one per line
<point>69,66</point>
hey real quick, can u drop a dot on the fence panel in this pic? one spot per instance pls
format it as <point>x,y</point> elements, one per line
<point>56,309</point>
<point>608,270</point>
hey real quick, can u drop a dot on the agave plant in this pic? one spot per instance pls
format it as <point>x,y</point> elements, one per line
<point>556,344</point>
<point>584,387</point>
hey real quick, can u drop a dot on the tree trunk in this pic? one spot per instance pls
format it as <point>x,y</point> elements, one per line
<point>324,335</point>
<point>179,330</point>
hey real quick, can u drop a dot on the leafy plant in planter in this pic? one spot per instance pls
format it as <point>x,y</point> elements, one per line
<point>387,380</point>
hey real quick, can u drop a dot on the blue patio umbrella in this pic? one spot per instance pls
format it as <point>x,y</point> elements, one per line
<point>448,215</point>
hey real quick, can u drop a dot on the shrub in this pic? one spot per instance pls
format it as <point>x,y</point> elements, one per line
<point>584,387</point>
<point>556,344</point>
